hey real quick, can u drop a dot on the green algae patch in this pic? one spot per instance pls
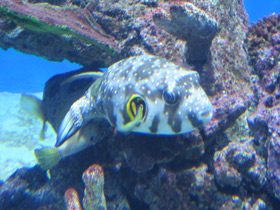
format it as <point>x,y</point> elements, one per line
<point>61,21</point>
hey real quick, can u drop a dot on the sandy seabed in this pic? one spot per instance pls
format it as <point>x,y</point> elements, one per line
<point>19,135</point>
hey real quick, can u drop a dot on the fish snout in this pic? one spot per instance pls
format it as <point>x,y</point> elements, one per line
<point>206,115</point>
<point>200,118</point>
<point>71,123</point>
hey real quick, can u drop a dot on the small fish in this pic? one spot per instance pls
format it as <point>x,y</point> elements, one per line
<point>87,136</point>
<point>145,94</point>
<point>59,93</point>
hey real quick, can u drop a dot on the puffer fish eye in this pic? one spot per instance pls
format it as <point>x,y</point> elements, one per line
<point>135,102</point>
<point>171,98</point>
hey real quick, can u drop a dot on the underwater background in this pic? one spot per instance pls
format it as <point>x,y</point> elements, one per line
<point>240,170</point>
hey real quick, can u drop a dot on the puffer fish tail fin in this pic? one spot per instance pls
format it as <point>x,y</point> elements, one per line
<point>47,158</point>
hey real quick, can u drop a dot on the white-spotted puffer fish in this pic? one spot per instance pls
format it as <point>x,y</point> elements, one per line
<point>145,94</point>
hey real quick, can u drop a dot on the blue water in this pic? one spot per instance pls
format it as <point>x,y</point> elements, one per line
<point>27,73</point>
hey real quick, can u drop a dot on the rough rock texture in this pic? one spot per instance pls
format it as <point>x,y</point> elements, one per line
<point>55,32</point>
<point>232,163</point>
<point>238,164</point>
<point>264,50</point>
<point>188,23</point>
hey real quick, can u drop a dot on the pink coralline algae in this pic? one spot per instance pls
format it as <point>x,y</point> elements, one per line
<point>72,201</point>
<point>94,197</point>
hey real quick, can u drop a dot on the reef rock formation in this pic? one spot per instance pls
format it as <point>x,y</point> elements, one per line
<point>264,50</point>
<point>188,23</point>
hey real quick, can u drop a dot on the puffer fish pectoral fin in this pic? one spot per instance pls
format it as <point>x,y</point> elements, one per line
<point>76,117</point>
<point>131,124</point>
<point>47,157</point>
<point>68,127</point>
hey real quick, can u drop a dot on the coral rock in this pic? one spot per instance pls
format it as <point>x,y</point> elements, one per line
<point>263,48</point>
<point>188,189</point>
<point>23,21</point>
<point>187,22</point>
<point>237,163</point>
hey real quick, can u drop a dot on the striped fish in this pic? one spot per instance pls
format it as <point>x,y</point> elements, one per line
<point>145,94</point>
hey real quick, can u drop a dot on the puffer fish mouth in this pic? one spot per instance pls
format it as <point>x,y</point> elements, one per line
<point>134,104</point>
<point>206,114</point>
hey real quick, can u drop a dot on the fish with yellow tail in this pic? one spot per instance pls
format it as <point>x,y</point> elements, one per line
<point>60,92</point>
<point>87,136</point>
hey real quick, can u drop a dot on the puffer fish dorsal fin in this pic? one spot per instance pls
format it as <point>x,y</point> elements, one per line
<point>84,75</point>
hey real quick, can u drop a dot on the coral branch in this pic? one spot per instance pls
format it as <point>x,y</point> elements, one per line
<point>71,199</point>
<point>94,197</point>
